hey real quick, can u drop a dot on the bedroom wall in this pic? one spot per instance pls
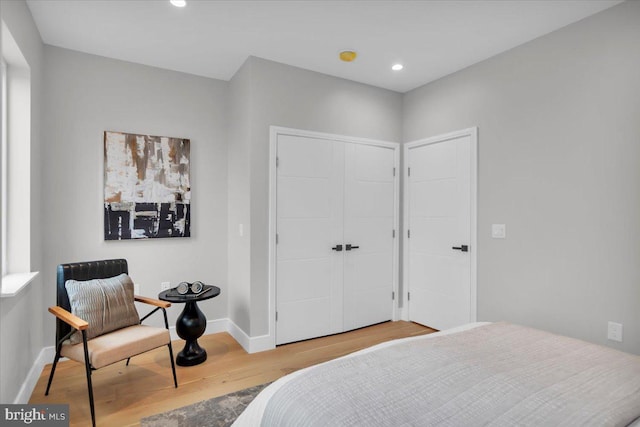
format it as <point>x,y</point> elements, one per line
<point>86,95</point>
<point>239,250</point>
<point>287,96</point>
<point>559,164</point>
<point>22,316</point>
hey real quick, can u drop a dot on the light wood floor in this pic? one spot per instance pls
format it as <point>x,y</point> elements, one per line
<point>125,394</point>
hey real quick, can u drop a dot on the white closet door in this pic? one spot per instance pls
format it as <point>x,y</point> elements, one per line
<point>439,200</point>
<point>369,213</point>
<point>309,275</point>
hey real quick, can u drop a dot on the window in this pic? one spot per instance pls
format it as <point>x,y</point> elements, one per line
<point>3,67</point>
<point>15,168</point>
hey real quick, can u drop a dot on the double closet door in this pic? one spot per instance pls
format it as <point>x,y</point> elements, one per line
<point>335,256</point>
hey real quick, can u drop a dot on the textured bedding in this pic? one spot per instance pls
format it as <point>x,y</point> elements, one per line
<point>493,374</point>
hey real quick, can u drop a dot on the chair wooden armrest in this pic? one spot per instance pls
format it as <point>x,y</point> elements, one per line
<point>152,301</point>
<point>69,318</point>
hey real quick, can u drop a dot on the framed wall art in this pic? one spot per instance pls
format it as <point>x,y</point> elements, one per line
<point>147,187</point>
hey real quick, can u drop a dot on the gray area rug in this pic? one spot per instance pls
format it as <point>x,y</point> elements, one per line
<point>220,411</point>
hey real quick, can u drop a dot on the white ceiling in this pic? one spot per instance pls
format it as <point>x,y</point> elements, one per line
<point>213,38</point>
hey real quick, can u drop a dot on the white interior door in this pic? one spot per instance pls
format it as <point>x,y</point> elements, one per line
<point>369,217</point>
<point>310,178</point>
<point>441,215</point>
<point>332,192</point>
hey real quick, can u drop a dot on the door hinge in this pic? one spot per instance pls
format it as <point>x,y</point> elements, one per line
<point>394,171</point>
<point>277,161</point>
<point>277,238</point>
<point>393,233</point>
<point>408,171</point>
<point>276,316</point>
<point>408,296</point>
<point>393,295</point>
<point>408,234</point>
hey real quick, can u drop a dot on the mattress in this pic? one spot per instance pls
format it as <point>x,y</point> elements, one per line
<point>479,374</point>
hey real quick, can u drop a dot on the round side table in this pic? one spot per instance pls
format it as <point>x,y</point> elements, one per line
<point>191,323</point>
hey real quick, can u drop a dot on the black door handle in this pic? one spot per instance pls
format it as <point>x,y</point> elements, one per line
<point>463,248</point>
<point>350,246</point>
<point>337,248</point>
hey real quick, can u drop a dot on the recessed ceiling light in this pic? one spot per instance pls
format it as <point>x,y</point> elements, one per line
<point>348,55</point>
<point>397,67</point>
<point>178,3</point>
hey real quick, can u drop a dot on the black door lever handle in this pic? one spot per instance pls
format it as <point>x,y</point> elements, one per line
<point>463,248</point>
<point>350,246</point>
<point>337,248</point>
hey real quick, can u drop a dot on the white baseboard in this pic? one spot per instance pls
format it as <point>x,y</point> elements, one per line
<point>46,355</point>
<point>239,335</point>
<point>261,343</point>
<point>250,344</point>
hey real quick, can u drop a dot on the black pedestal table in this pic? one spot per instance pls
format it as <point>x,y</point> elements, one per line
<point>191,323</point>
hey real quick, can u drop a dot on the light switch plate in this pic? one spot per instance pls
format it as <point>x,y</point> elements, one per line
<point>614,331</point>
<point>499,231</point>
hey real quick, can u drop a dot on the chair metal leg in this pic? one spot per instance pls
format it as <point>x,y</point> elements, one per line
<point>87,366</point>
<point>90,387</point>
<point>53,370</point>
<point>173,365</point>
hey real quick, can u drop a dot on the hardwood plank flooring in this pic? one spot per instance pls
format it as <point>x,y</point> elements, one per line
<point>125,394</point>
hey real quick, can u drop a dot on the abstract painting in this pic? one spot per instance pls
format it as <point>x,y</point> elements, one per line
<point>147,189</point>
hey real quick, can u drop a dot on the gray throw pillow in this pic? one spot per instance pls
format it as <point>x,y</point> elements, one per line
<point>107,304</point>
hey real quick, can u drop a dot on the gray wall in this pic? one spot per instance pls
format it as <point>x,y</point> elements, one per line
<point>292,97</point>
<point>86,95</point>
<point>559,164</point>
<point>21,317</point>
<point>239,250</point>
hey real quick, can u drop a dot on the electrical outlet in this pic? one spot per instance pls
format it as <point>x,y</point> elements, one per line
<point>614,331</point>
<point>165,285</point>
<point>498,231</point>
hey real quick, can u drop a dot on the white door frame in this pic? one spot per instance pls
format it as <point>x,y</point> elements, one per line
<point>472,133</point>
<point>274,132</point>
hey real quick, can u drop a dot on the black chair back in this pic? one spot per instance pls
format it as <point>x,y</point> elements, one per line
<point>83,271</point>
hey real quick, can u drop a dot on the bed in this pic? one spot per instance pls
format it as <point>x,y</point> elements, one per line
<point>495,374</point>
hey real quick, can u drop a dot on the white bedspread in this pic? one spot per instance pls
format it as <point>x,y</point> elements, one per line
<point>497,374</point>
